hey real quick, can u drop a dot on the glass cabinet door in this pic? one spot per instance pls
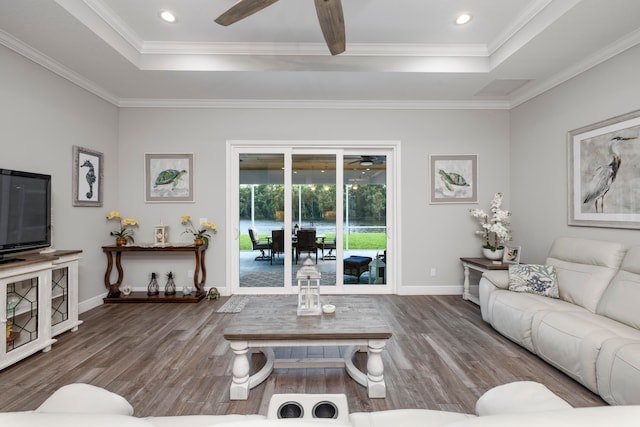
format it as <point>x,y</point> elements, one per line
<point>59,296</point>
<point>22,326</point>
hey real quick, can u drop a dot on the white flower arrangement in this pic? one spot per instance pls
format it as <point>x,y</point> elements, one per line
<point>495,230</point>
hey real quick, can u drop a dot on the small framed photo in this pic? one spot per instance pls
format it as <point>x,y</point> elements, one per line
<point>511,255</point>
<point>87,177</point>
<point>453,178</point>
<point>168,178</point>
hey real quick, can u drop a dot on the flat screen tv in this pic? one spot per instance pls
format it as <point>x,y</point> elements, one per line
<point>25,212</point>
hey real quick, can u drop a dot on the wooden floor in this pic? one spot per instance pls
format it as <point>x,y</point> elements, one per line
<point>171,359</point>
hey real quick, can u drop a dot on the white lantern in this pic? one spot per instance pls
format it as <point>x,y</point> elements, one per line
<point>161,233</point>
<point>308,289</point>
<point>378,266</point>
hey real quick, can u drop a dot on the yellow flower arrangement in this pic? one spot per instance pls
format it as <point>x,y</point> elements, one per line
<point>203,232</point>
<point>125,232</point>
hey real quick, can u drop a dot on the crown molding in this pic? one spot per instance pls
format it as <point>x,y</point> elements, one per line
<point>314,104</point>
<point>531,91</point>
<point>50,64</point>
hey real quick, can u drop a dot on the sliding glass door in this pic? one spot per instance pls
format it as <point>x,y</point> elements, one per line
<point>324,206</point>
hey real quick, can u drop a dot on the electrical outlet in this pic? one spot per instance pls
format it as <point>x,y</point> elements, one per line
<point>433,271</point>
<point>203,220</point>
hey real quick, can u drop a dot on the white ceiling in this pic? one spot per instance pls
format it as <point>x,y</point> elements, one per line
<point>400,53</point>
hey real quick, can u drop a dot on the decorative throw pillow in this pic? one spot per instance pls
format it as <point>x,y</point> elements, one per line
<point>534,279</point>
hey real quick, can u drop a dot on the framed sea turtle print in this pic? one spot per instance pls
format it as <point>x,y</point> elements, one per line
<point>453,178</point>
<point>168,178</point>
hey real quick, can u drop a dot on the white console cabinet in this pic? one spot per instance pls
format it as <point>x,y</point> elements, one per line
<point>38,300</point>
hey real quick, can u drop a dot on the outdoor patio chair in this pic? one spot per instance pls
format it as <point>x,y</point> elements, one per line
<point>277,243</point>
<point>306,243</point>
<point>259,246</point>
<point>331,246</point>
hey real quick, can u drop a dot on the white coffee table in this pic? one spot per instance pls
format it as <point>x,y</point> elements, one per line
<point>267,322</point>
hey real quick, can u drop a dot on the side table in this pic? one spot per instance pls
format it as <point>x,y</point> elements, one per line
<point>478,264</point>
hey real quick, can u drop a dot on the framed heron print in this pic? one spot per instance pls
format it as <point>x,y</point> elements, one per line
<point>604,173</point>
<point>453,178</point>
<point>87,177</point>
<point>168,178</point>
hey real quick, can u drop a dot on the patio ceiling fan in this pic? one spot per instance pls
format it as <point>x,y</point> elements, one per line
<point>329,15</point>
<point>369,160</point>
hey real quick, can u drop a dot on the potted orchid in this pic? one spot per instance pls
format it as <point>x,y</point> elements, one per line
<point>494,229</point>
<point>200,235</point>
<point>125,234</point>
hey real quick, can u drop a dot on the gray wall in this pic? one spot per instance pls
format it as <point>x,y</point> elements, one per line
<point>432,235</point>
<point>41,117</point>
<point>539,151</point>
<point>521,153</point>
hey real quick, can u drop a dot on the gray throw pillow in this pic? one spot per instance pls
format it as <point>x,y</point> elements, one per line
<point>534,279</point>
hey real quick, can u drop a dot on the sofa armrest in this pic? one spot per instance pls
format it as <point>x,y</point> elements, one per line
<point>498,278</point>
<point>85,398</point>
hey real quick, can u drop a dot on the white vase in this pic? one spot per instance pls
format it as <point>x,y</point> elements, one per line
<point>493,255</point>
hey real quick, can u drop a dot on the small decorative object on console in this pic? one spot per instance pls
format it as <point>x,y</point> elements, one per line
<point>161,234</point>
<point>125,234</point>
<point>170,287</point>
<point>126,290</point>
<point>495,230</point>
<point>153,288</point>
<point>202,233</point>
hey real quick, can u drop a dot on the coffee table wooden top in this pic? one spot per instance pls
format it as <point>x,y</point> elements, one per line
<point>275,318</point>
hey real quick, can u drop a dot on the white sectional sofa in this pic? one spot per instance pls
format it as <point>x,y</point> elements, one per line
<point>525,404</point>
<point>591,331</point>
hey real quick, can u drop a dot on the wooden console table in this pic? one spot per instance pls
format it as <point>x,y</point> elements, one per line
<point>115,252</point>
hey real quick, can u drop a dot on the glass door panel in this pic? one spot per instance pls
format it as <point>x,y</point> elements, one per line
<point>262,220</point>
<point>313,209</point>
<point>365,219</point>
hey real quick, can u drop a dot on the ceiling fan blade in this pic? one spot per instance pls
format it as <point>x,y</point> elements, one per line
<point>241,10</point>
<point>332,23</point>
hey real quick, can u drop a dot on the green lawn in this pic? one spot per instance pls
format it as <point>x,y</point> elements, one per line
<point>370,241</point>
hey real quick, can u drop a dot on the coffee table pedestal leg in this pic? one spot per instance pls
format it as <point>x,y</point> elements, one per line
<point>375,370</point>
<point>240,384</point>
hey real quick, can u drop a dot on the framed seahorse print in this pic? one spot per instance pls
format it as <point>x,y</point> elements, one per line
<point>87,177</point>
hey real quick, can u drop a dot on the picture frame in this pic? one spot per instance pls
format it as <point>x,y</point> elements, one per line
<point>604,173</point>
<point>511,254</point>
<point>453,178</point>
<point>87,177</point>
<point>169,178</point>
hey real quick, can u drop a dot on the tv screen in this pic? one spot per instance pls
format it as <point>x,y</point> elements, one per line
<point>25,211</point>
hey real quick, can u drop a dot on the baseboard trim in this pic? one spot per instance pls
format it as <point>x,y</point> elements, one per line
<point>430,290</point>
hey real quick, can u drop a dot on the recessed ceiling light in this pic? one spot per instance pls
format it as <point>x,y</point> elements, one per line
<point>463,19</point>
<point>167,16</point>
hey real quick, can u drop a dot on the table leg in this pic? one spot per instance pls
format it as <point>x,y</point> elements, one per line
<point>240,384</point>
<point>114,288</point>
<point>375,370</point>
<point>465,285</point>
<point>200,276</point>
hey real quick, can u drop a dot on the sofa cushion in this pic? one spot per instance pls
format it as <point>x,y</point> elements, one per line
<point>200,420</point>
<point>511,313</point>
<point>406,418</point>
<point>519,397</point>
<point>620,299</point>
<point>571,341</point>
<point>533,279</point>
<point>85,398</point>
<point>584,268</point>
<point>618,371</point>
<point>58,419</point>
